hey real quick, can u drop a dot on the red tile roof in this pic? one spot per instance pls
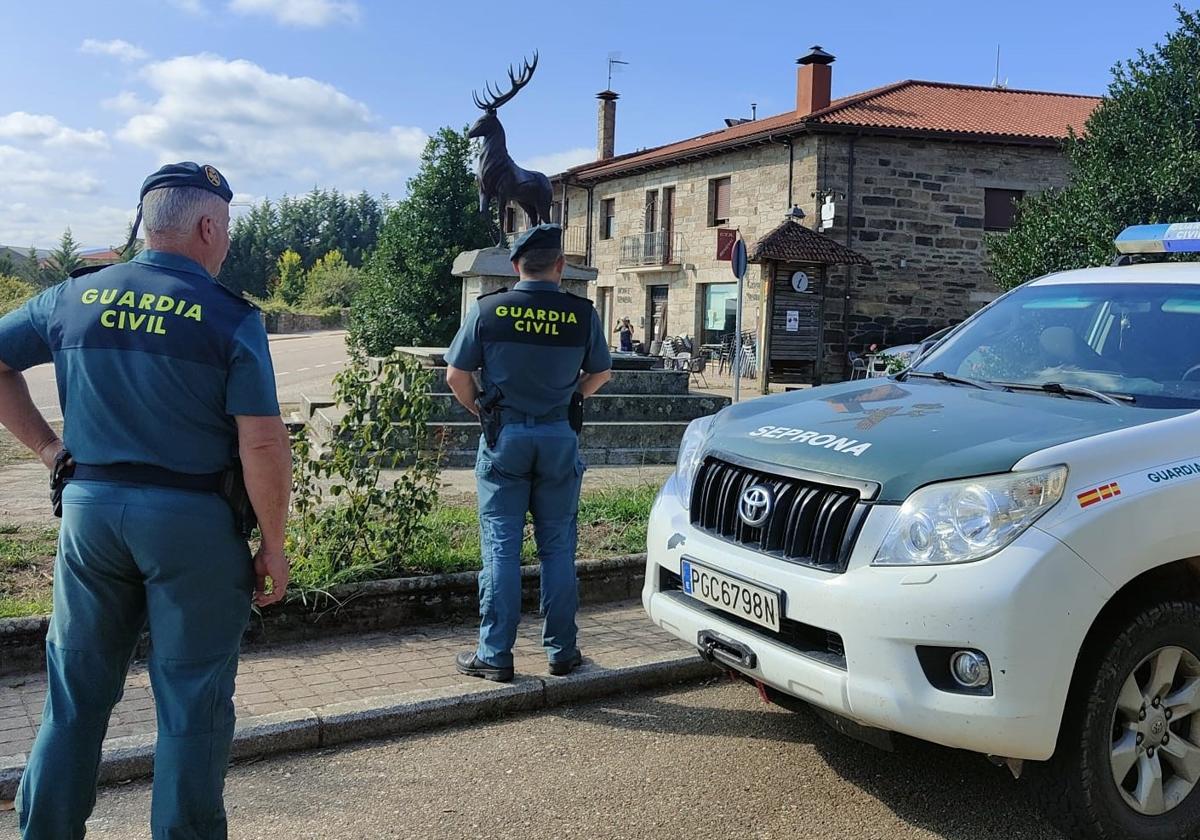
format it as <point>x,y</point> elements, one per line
<point>793,242</point>
<point>927,108</point>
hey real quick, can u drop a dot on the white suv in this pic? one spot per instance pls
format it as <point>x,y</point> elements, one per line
<point>997,550</point>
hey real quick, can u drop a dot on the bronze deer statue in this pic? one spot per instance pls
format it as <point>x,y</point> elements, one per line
<point>500,179</point>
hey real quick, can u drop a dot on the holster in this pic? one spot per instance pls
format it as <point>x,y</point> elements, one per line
<point>575,412</point>
<point>233,491</point>
<point>64,468</point>
<point>488,404</point>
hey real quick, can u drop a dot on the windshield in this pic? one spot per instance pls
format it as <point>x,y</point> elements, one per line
<point>1136,339</point>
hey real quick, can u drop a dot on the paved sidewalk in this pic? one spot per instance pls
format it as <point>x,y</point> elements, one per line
<point>310,675</point>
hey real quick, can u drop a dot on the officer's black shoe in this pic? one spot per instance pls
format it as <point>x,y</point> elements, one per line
<point>566,666</point>
<point>471,665</point>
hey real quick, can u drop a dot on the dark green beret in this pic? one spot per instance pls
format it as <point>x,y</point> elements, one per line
<point>542,236</point>
<point>188,174</point>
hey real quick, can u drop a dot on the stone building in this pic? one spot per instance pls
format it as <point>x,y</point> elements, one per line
<point>911,176</point>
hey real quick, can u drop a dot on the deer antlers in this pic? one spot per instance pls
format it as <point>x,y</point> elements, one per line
<point>495,98</point>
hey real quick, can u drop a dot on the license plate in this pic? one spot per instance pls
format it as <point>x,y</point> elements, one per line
<point>734,595</point>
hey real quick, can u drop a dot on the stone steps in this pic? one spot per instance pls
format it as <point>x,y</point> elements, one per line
<point>657,442</point>
<point>602,408</point>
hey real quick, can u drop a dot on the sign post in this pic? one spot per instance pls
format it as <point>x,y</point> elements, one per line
<point>738,263</point>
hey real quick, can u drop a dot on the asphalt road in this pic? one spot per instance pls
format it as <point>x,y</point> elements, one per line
<point>706,762</point>
<point>303,363</point>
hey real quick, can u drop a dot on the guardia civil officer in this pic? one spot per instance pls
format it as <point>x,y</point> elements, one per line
<point>163,376</point>
<point>538,349</point>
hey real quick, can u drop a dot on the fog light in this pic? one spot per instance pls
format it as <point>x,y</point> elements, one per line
<point>970,669</point>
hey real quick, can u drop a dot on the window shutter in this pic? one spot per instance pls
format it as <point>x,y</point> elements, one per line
<point>723,198</point>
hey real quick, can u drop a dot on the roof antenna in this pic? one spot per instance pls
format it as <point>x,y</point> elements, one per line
<point>996,83</point>
<point>613,58</point>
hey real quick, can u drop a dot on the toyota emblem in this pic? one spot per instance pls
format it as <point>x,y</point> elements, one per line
<point>754,507</point>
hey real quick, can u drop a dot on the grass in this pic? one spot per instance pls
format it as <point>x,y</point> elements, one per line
<point>26,570</point>
<point>611,522</point>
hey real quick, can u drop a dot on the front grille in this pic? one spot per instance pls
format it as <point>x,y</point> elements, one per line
<point>814,642</point>
<point>811,524</point>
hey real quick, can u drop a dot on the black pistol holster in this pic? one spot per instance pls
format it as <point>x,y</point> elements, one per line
<point>233,491</point>
<point>64,468</point>
<point>575,412</point>
<point>488,404</point>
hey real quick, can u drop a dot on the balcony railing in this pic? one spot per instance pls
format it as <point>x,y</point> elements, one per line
<point>575,241</point>
<point>648,249</point>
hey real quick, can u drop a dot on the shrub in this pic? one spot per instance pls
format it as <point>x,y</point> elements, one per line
<point>369,530</point>
<point>13,292</point>
<point>331,282</point>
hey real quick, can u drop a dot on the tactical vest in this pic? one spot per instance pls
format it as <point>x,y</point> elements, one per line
<point>541,318</point>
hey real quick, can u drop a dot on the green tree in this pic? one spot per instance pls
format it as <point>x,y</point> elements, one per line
<point>292,279</point>
<point>1137,162</point>
<point>30,269</point>
<point>62,260</point>
<point>331,282</point>
<point>8,268</point>
<point>408,295</point>
<point>135,247</point>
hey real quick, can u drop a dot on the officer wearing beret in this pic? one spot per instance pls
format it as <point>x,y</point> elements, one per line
<point>163,376</point>
<point>535,347</point>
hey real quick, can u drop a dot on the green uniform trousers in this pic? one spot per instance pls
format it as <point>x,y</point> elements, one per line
<point>128,556</point>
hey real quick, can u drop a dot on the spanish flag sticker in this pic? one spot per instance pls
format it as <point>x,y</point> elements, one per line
<point>1099,494</point>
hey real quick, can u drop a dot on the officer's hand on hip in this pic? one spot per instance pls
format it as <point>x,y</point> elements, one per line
<point>49,453</point>
<point>270,563</point>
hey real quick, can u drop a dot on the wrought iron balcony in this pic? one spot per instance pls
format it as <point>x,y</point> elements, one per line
<point>659,248</point>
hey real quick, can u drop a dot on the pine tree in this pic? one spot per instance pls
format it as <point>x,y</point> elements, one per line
<point>63,260</point>
<point>292,279</point>
<point>408,295</point>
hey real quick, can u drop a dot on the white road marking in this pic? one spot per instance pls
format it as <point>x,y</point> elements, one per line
<point>301,370</point>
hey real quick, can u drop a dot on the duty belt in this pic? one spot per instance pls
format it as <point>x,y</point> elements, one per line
<point>508,416</point>
<point>148,475</point>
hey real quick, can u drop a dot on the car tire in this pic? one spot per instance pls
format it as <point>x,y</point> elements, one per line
<point>1103,730</point>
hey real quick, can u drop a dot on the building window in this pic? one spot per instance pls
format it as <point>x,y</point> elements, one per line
<point>718,202</point>
<point>608,218</point>
<point>1000,208</point>
<point>720,312</point>
<point>510,220</point>
<point>566,211</point>
<point>556,212</point>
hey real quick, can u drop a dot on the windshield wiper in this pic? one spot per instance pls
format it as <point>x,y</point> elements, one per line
<point>942,376</point>
<point>1073,391</point>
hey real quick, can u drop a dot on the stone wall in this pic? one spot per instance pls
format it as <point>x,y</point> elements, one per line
<point>297,322</point>
<point>917,215</point>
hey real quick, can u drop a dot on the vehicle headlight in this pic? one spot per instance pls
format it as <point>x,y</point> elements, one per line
<point>962,521</point>
<point>691,449</point>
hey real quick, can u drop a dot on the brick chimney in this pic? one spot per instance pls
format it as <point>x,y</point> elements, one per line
<point>814,79</point>
<point>606,124</point>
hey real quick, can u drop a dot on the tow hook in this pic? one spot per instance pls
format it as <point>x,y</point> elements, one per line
<point>725,651</point>
<point>1015,765</point>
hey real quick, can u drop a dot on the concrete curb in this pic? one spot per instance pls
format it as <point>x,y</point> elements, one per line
<point>415,711</point>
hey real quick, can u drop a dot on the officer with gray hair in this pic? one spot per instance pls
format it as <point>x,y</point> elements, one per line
<point>165,380</point>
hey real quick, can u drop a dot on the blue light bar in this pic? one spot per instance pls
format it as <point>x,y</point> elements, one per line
<point>1159,239</point>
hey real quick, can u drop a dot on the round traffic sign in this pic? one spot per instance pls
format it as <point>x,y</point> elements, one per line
<point>738,260</point>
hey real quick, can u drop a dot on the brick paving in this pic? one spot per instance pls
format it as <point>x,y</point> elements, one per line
<point>309,675</point>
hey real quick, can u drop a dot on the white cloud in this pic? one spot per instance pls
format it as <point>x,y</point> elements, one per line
<point>116,48</point>
<point>556,162</point>
<point>253,124</point>
<point>310,13</point>
<point>43,128</point>
<point>125,102</point>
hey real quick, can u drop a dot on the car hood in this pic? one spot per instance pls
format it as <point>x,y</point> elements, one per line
<point>903,435</point>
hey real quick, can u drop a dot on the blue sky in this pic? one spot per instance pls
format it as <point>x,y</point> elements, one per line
<point>283,95</point>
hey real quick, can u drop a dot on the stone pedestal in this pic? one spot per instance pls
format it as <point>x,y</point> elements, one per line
<point>489,269</point>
